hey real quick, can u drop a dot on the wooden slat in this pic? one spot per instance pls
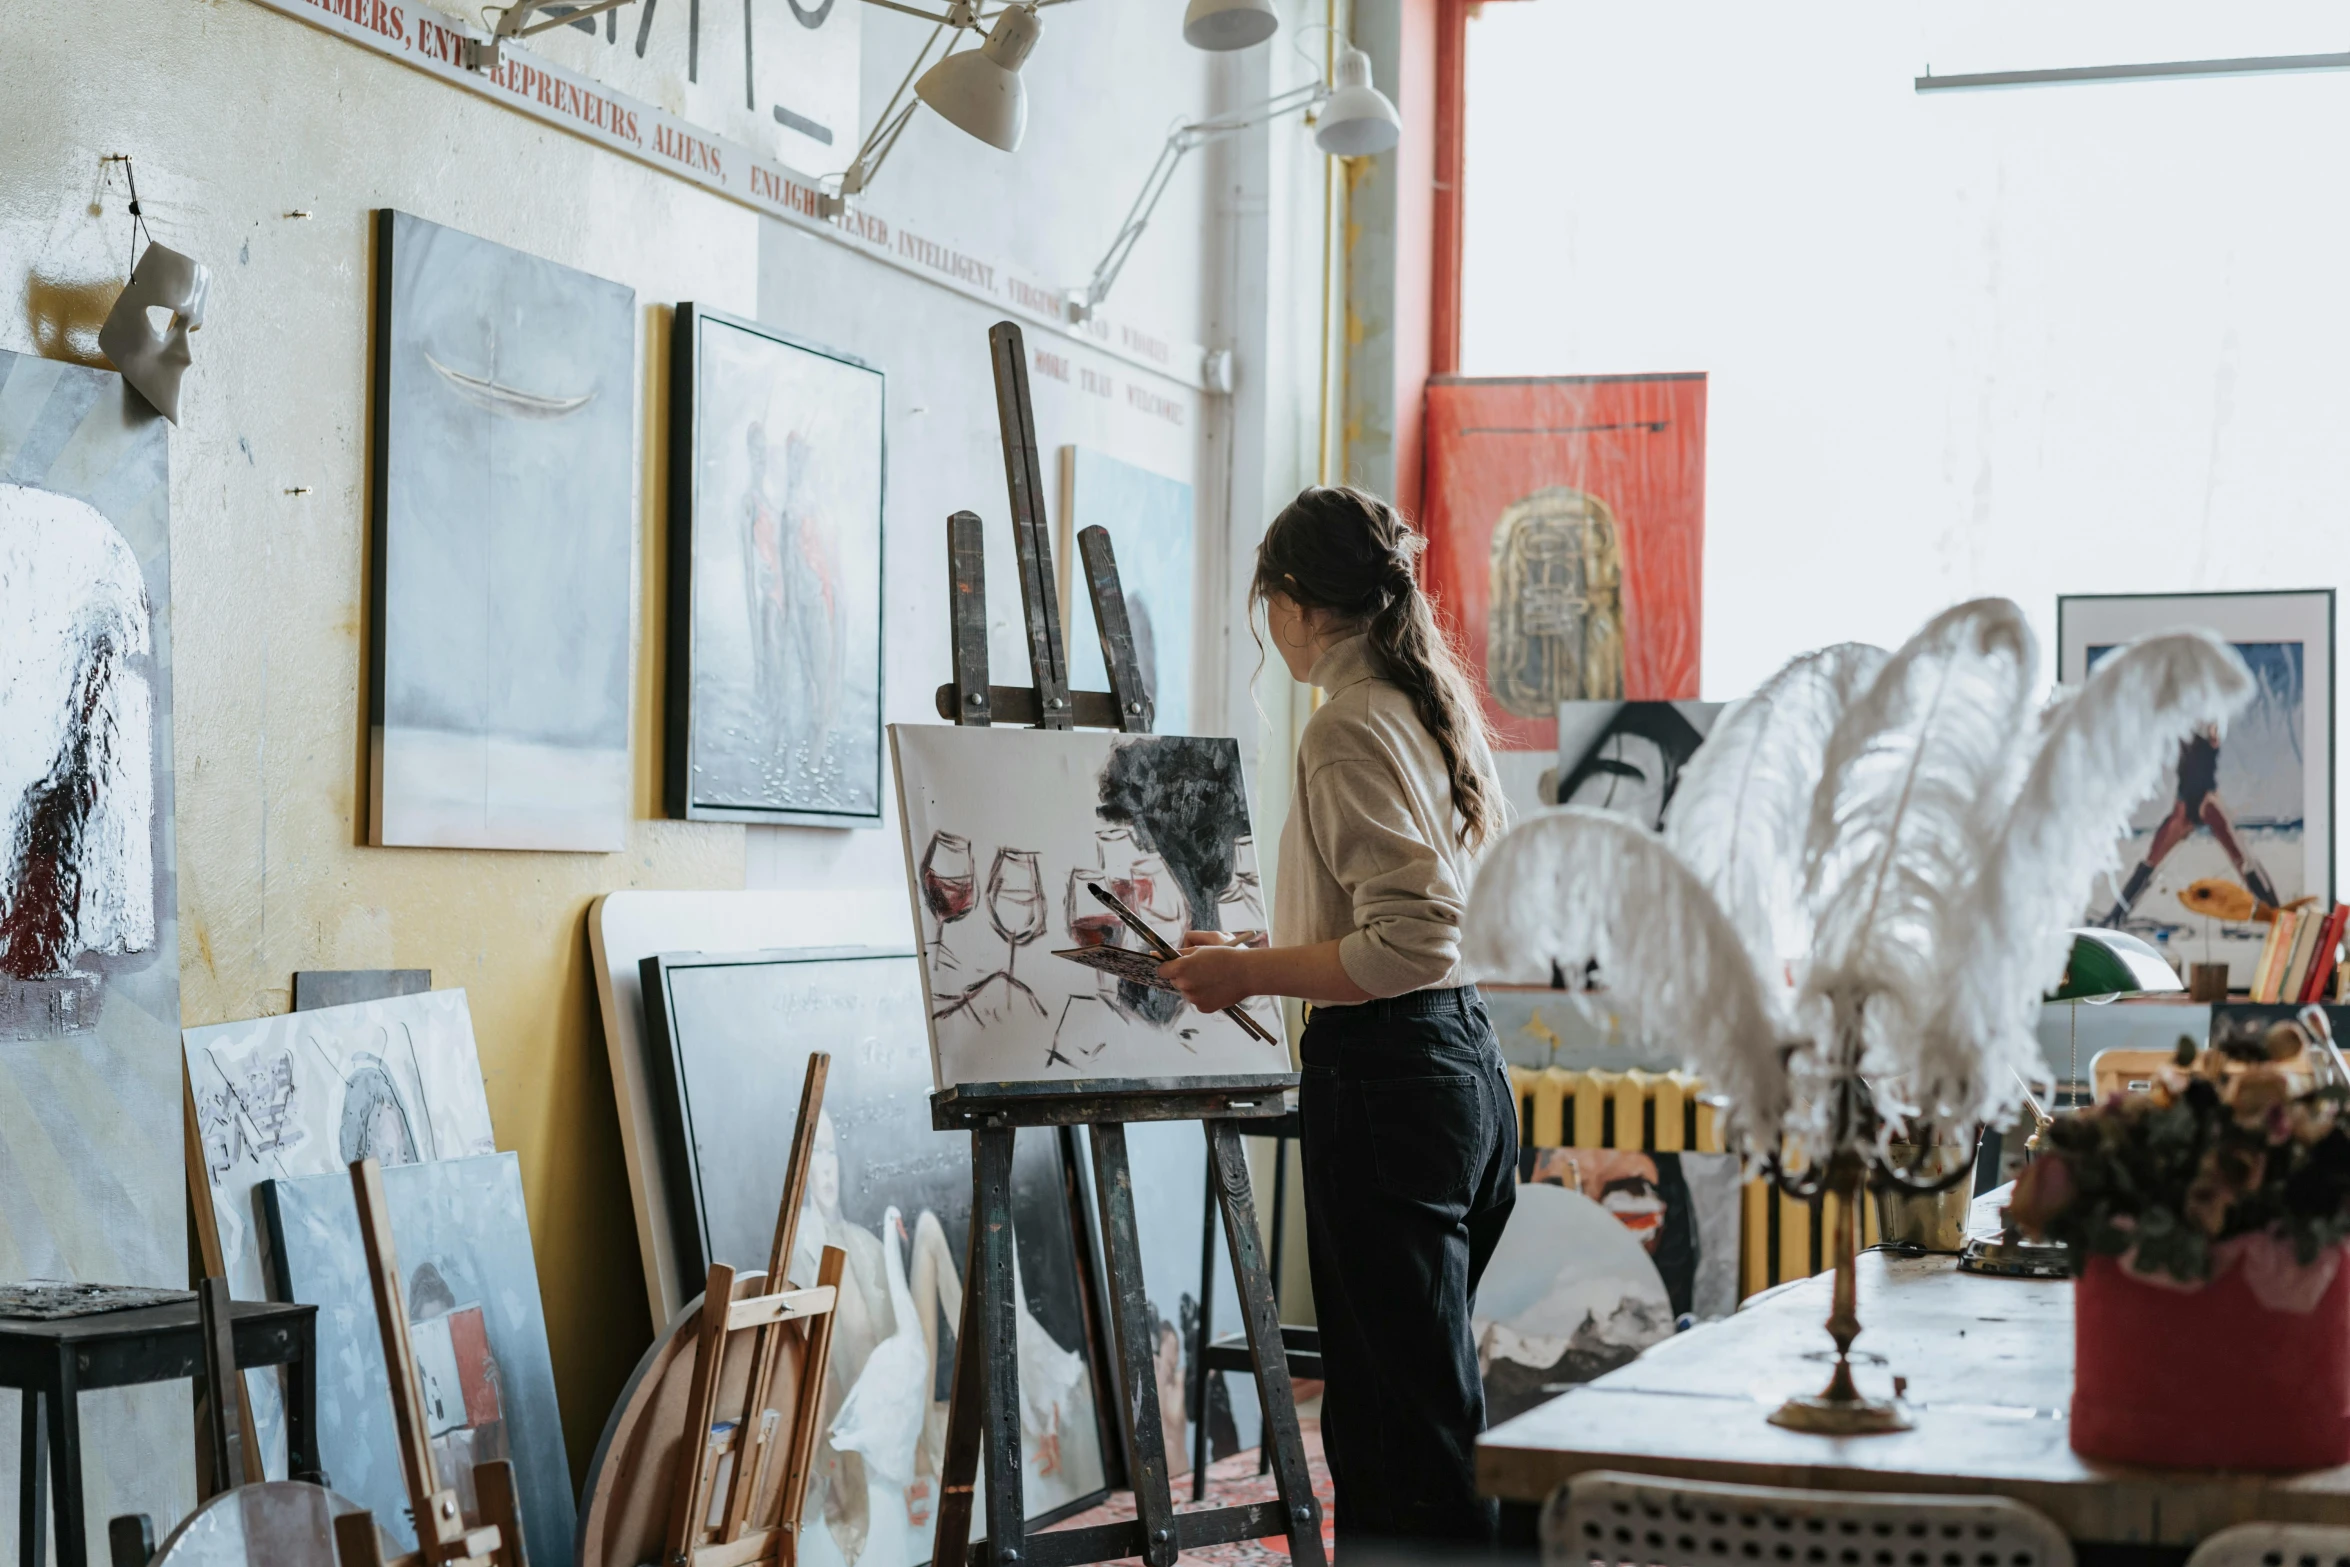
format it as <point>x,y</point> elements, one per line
<point>1031,544</point>
<point>789,1306</point>
<point>959,1463</point>
<point>689,1503</point>
<point>358,1544</point>
<point>756,1545</point>
<point>754,1445</point>
<point>1300,1516</point>
<point>1132,1325</point>
<point>967,700</point>
<point>1754,1238</point>
<point>1018,705</point>
<point>221,1438</point>
<point>808,1414</point>
<point>495,1492</point>
<point>208,1251</point>
<point>998,1344</point>
<point>440,1530</point>
<point>1128,690</point>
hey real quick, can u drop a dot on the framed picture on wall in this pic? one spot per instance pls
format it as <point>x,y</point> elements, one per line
<point>1566,533</point>
<point>2250,805</point>
<point>1156,545</point>
<point>775,516</point>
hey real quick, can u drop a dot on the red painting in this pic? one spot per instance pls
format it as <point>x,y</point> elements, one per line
<point>1566,528</point>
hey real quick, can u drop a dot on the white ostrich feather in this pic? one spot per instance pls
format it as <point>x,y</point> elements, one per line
<point>2099,756</point>
<point>1742,810</point>
<point>1576,886</point>
<point>1896,827</point>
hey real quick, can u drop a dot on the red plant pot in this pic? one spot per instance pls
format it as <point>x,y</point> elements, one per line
<point>2208,1378</point>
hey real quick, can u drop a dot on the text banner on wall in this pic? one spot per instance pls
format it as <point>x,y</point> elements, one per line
<point>434,43</point>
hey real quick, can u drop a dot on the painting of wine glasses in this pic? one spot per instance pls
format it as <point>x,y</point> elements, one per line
<point>1159,822</point>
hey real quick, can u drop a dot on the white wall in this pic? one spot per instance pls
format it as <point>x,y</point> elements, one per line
<point>2029,341</point>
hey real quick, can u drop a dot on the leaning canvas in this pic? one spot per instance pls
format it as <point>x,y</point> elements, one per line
<point>775,486</point>
<point>504,509</point>
<point>729,1037</point>
<point>1152,536</point>
<point>305,1093</point>
<point>472,1292</point>
<point>90,1180</point>
<point>1627,757</point>
<point>1007,830</point>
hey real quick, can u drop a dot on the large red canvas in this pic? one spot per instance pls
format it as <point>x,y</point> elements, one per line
<point>1560,458</point>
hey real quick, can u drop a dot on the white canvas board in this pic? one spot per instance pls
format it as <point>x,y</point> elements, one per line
<point>305,1093</point>
<point>1005,829</point>
<point>625,928</point>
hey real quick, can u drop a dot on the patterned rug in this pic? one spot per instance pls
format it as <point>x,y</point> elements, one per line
<point>1231,1482</point>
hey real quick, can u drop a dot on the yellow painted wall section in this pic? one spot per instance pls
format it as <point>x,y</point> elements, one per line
<point>237,117</point>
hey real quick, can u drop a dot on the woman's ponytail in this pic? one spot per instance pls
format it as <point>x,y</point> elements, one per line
<point>1351,554</point>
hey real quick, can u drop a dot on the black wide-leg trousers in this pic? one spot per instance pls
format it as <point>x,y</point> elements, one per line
<point>1410,1156</point>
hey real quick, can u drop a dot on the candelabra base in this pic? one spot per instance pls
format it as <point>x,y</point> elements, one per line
<point>1819,1414</point>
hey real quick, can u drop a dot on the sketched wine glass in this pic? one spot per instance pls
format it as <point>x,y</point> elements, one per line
<point>949,892</point>
<point>1016,907</point>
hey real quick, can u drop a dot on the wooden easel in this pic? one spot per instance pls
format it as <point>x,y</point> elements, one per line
<point>729,1308</point>
<point>443,1538</point>
<point>984,1415</point>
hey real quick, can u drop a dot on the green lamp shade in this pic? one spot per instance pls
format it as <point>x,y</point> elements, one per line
<point>2106,963</point>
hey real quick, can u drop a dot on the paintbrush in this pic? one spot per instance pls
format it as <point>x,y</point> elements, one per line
<point>1167,954</point>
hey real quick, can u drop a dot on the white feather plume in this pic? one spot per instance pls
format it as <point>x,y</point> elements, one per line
<point>1742,810</point>
<point>1575,886</point>
<point>1896,830</point>
<point>2099,756</point>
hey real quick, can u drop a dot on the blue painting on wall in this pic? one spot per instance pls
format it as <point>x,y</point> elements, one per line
<point>1154,537</point>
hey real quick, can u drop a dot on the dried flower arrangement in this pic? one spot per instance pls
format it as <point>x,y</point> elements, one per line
<point>2222,1161</point>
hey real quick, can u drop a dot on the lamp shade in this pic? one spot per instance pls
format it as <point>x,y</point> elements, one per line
<point>1356,119</point>
<point>1229,24</point>
<point>2108,963</point>
<point>979,90</point>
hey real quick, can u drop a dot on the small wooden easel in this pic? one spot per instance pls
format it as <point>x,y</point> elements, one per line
<point>984,1414</point>
<point>736,1540</point>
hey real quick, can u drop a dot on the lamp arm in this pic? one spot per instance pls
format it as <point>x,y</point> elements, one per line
<point>891,124</point>
<point>514,23</point>
<point>1180,142</point>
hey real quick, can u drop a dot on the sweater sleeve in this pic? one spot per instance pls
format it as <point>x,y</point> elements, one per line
<point>1407,908</point>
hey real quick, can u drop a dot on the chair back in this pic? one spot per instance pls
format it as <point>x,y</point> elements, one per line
<point>2275,1545</point>
<point>1607,1519</point>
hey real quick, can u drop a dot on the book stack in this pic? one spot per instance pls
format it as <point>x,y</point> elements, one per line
<point>2297,960</point>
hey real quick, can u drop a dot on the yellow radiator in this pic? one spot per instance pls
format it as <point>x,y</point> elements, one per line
<point>1659,1112</point>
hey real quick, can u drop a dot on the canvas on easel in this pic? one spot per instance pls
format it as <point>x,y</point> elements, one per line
<point>1005,831</point>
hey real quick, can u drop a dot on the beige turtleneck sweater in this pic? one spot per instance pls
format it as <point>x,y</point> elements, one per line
<point>1370,855</point>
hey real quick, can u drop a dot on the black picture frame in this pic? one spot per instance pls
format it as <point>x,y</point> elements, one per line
<point>1048,1177</point>
<point>682,726</point>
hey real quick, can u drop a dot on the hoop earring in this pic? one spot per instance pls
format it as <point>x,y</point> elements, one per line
<point>1286,642</point>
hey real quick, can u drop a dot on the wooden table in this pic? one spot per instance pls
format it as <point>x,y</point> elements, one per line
<point>1989,1366</point>
<point>53,1361</point>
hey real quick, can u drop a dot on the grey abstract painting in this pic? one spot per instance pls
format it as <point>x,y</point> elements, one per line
<point>472,1291</point>
<point>504,543</point>
<point>90,1175</point>
<point>775,477</point>
<point>729,1036</point>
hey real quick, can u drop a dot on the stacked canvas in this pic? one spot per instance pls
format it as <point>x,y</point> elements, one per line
<point>282,1106</point>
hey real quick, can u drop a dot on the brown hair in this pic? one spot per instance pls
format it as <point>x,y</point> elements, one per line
<point>1351,555</point>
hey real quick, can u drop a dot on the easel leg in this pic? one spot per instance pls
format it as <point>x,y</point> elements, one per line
<point>1130,1321</point>
<point>1263,1321</point>
<point>959,1464</point>
<point>998,1344</point>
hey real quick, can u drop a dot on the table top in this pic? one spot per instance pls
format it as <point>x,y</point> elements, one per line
<point>141,1321</point>
<point>1989,1363</point>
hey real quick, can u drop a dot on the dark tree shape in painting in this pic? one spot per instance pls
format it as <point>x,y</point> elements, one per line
<point>40,902</point>
<point>1184,799</point>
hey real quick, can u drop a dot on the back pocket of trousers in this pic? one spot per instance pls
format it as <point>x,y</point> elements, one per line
<point>1427,1136</point>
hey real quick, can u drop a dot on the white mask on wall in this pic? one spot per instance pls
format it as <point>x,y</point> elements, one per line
<point>154,358</point>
